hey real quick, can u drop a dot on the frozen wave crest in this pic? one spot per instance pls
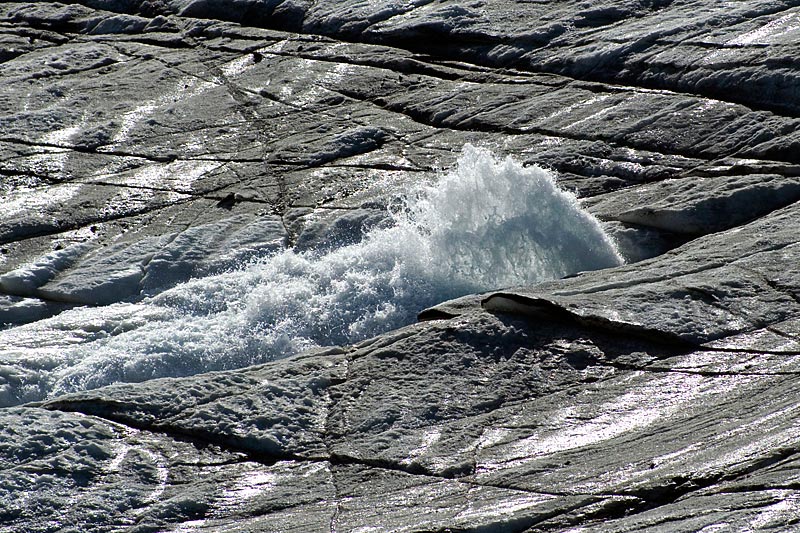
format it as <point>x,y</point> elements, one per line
<point>487,224</point>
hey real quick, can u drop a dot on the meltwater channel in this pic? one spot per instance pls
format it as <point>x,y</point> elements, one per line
<point>488,223</point>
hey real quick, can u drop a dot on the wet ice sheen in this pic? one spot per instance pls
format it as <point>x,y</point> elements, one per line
<point>487,224</point>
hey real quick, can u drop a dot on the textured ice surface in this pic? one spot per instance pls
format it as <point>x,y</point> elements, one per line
<point>489,223</point>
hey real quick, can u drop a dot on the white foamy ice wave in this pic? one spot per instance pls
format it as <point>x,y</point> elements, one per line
<point>487,224</point>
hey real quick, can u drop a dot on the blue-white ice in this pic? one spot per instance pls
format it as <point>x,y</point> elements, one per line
<point>487,224</point>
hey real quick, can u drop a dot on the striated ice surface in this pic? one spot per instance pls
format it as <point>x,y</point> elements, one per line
<point>487,224</point>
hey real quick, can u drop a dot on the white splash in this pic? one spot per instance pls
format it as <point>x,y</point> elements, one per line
<point>487,224</point>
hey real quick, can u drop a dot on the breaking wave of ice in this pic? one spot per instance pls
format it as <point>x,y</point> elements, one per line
<point>487,224</point>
